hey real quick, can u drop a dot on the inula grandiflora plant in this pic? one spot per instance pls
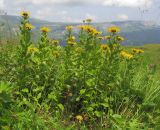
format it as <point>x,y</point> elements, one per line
<point>92,82</point>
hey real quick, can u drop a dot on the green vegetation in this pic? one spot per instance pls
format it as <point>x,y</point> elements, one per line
<point>85,85</point>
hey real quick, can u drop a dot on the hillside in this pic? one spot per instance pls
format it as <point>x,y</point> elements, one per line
<point>136,32</point>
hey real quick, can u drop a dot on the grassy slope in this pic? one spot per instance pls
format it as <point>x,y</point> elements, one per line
<point>152,52</point>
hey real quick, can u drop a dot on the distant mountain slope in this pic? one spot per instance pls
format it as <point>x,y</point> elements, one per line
<point>135,32</point>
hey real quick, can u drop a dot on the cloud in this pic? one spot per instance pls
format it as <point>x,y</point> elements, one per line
<point>1,4</point>
<point>128,3</point>
<point>118,3</point>
<point>75,10</point>
<point>122,16</point>
<point>43,14</point>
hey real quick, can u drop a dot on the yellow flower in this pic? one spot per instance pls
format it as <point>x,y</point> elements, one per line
<point>79,118</point>
<point>55,42</point>
<point>119,38</point>
<point>105,47</point>
<point>45,29</point>
<point>138,51</point>
<point>126,55</point>
<point>25,14</point>
<point>90,30</point>
<point>71,43</point>
<point>71,38</point>
<point>82,27</point>
<point>69,28</point>
<point>56,54</point>
<point>97,33</point>
<point>29,26</point>
<point>114,29</point>
<point>101,38</point>
<point>107,37</point>
<point>89,20</point>
<point>32,49</point>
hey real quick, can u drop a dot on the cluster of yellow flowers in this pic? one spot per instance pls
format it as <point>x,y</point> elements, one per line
<point>89,20</point>
<point>56,54</point>
<point>45,29</point>
<point>71,40</point>
<point>138,51</point>
<point>113,29</point>
<point>29,26</point>
<point>25,14</point>
<point>79,118</point>
<point>105,47</point>
<point>119,38</point>
<point>69,28</point>
<point>32,49</point>
<point>90,30</point>
<point>55,42</point>
<point>107,37</point>
<point>126,55</point>
<point>101,38</point>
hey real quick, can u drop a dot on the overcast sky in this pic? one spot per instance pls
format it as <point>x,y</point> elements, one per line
<point>77,10</point>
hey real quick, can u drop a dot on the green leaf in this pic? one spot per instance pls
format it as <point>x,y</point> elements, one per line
<point>77,99</point>
<point>52,97</point>
<point>89,108</point>
<point>61,106</point>
<point>98,113</point>
<point>39,96</point>
<point>82,91</point>
<point>90,82</point>
<point>25,90</point>
<point>105,104</point>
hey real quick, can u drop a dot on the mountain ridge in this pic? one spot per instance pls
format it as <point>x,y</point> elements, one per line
<point>135,32</point>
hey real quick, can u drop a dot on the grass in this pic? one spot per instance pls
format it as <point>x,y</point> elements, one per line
<point>151,50</point>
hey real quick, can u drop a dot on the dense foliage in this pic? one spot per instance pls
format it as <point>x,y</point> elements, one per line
<point>83,85</point>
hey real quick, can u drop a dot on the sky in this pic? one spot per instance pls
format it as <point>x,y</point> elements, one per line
<point>77,10</point>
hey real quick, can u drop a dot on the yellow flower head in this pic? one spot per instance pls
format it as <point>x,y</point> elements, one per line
<point>138,51</point>
<point>101,38</point>
<point>113,29</point>
<point>81,27</point>
<point>32,49</point>
<point>56,54</point>
<point>79,118</point>
<point>25,14</point>
<point>55,42</point>
<point>105,47</point>
<point>69,28</point>
<point>29,26</point>
<point>120,39</point>
<point>97,33</point>
<point>45,29</point>
<point>89,20</point>
<point>107,37</point>
<point>90,30</point>
<point>126,55</point>
<point>71,38</point>
<point>72,43</point>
